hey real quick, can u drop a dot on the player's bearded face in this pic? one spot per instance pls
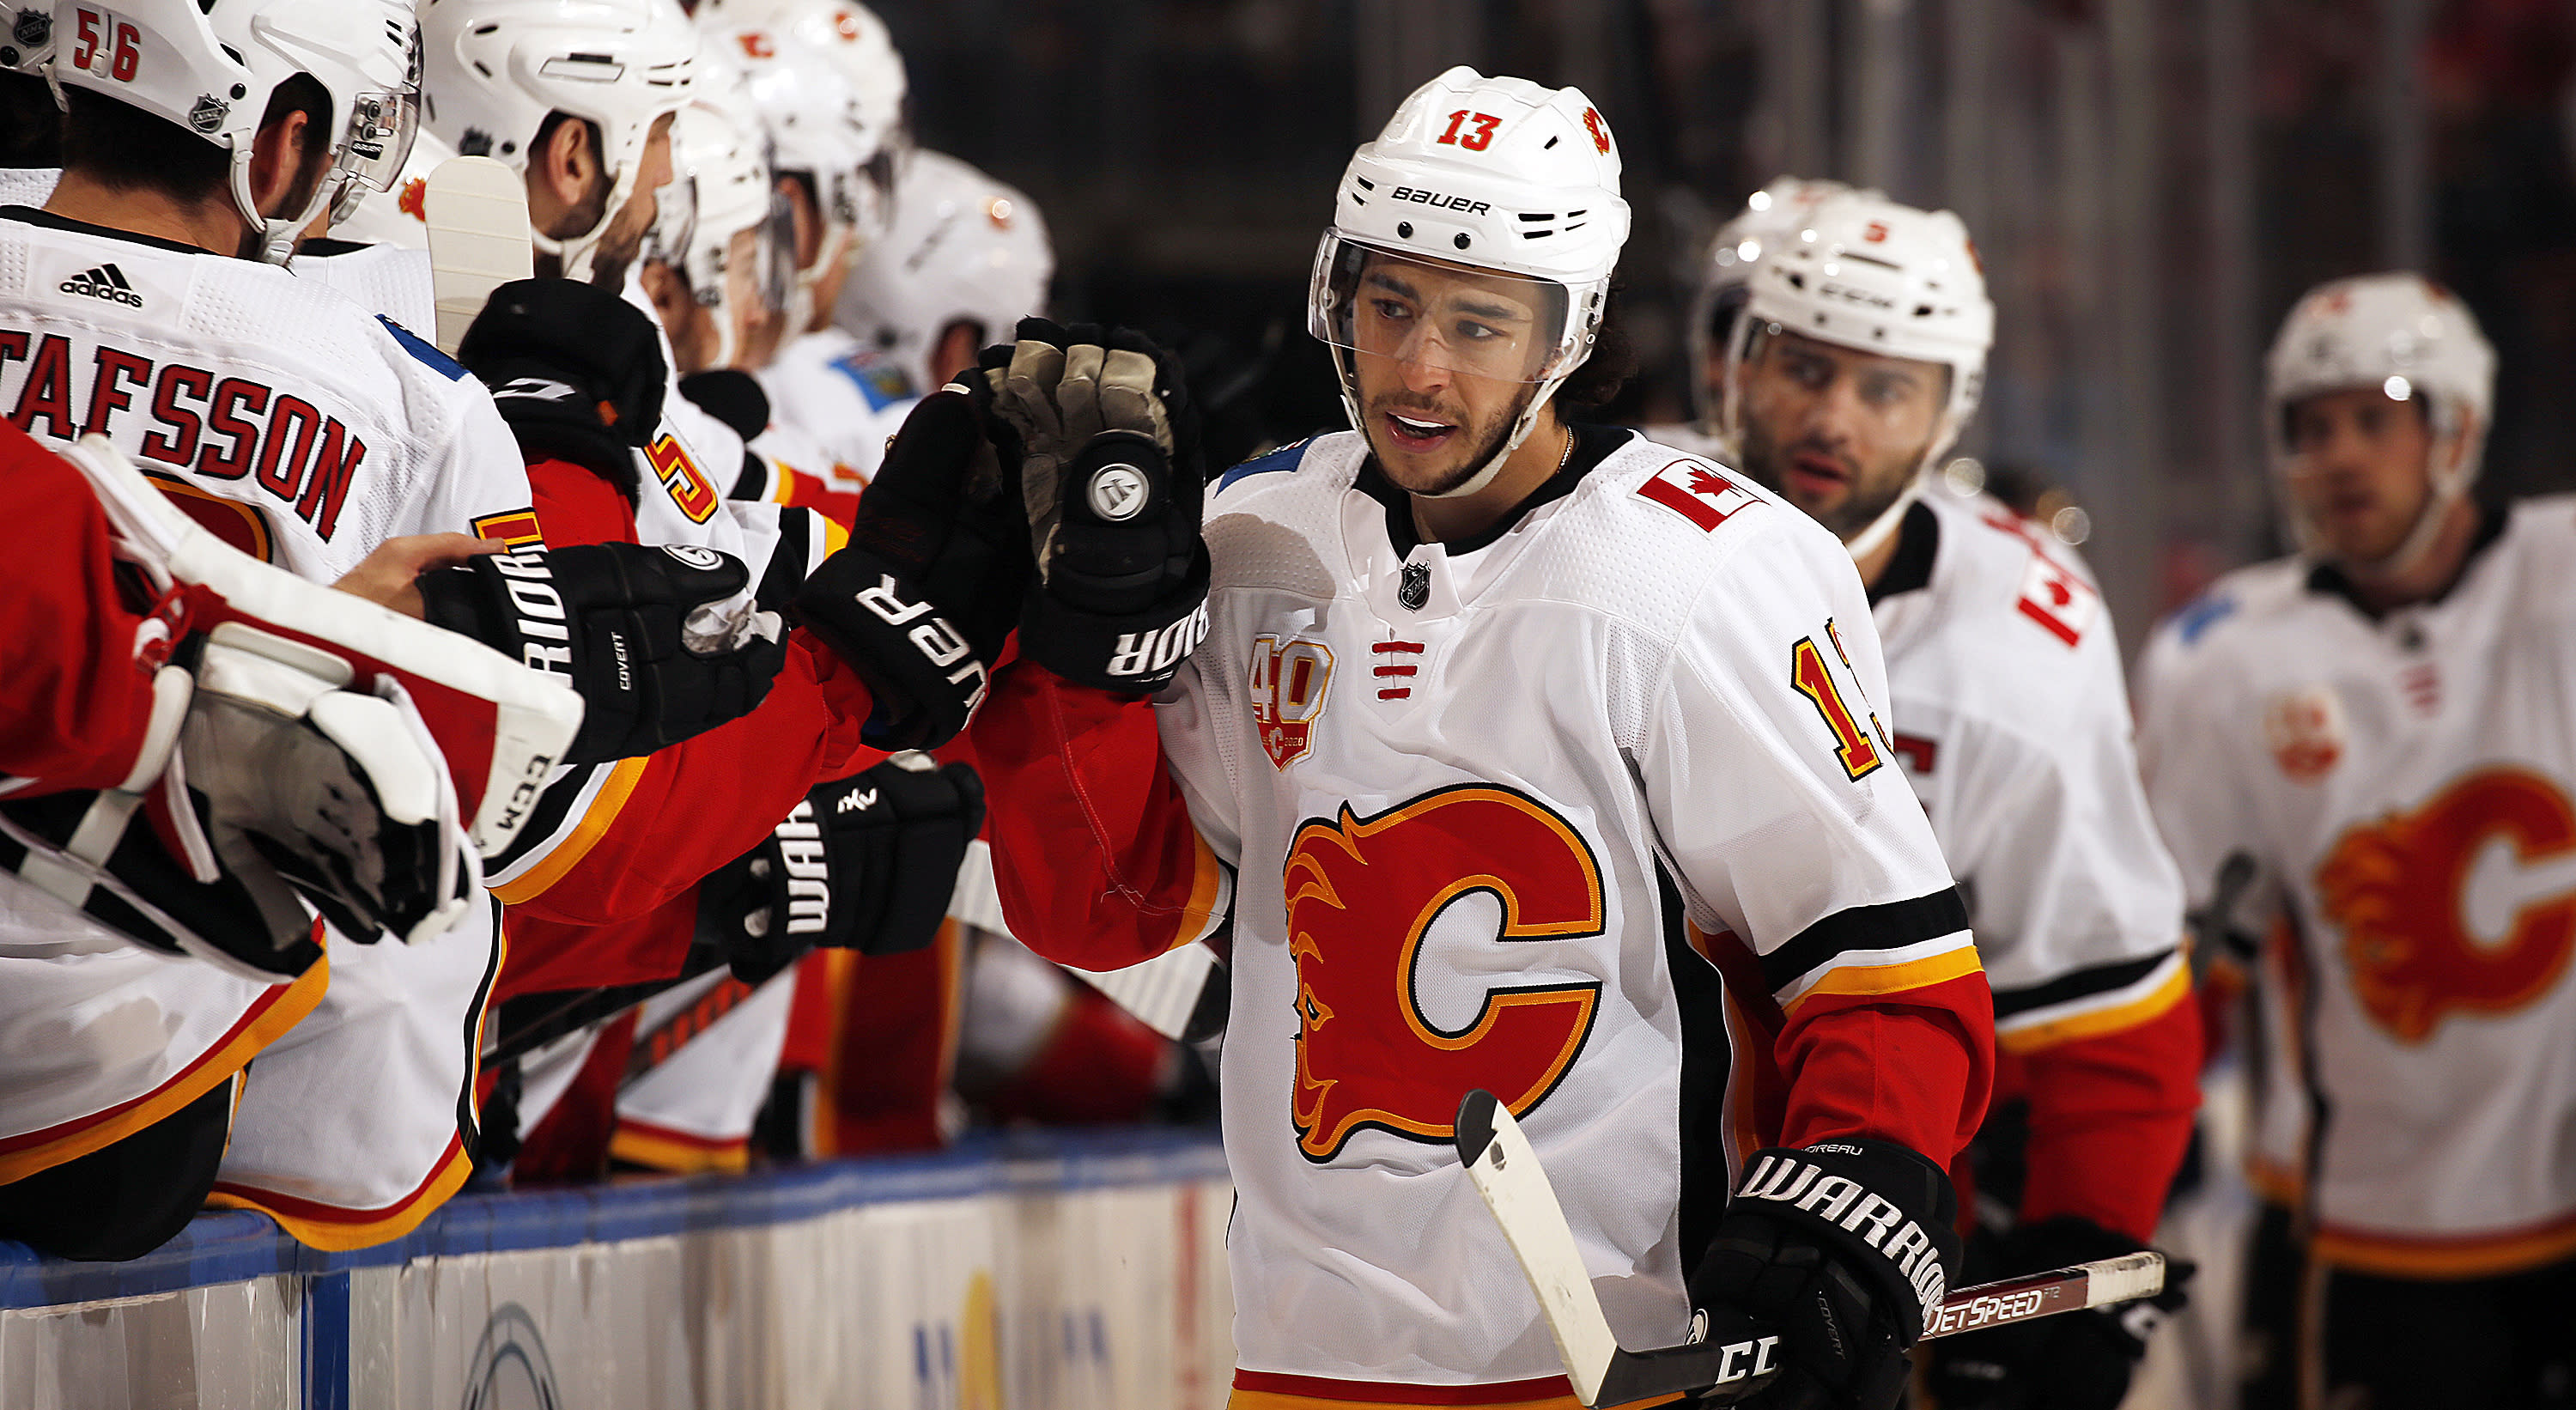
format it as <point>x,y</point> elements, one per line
<point>624,238</point>
<point>1836,431</point>
<point>2360,470</point>
<point>1445,358</point>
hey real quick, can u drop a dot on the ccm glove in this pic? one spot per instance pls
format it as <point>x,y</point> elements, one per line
<point>1846,1248</point>
<point>575,370</point>
<point>867,863</point>
<point>637,629</point>
<point>2078,1361</point>
<point>1101,447</point>
<point>921,599</point>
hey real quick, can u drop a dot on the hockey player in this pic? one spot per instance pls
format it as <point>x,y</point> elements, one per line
<point>308,432</point>
<point>827,82</point>
<point>965,260</point>
<point>1771,218</point>
<point>1506,735</point>
<point>1854,364</point>
<point>2368,746</point>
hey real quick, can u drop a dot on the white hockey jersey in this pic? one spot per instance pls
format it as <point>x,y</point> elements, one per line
<point>2398,792</point>
<point>841,396</point>
<point>2011,719</point>
<point>1484,806</point>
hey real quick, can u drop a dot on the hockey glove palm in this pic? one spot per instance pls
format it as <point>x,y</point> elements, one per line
<point>2079,1361</point>
<point>1846,1248</point>
<point>867,863</point>
<point>638,630</point>
<point>1101,446</point>
<point>920,601</point>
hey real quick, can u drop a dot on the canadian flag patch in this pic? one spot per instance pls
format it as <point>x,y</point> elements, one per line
<point>2054,597</point>
<point>1694,490</point>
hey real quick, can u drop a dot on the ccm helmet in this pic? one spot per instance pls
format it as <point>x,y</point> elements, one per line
<point>211,67</point>
<point>2409,337</point>
<point>1499,175</point>
<point>1865,272</point>
<point>963,248</point>
<point>497,68</point>
<point>1774,214</point>
<point>826,80</point>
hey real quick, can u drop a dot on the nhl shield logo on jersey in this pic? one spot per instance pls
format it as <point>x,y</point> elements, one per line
<point>1363,896</point>
<point>1694,490</point>
<point>1413,586</point>
<point>1286,684</point>
<point>2465,905</point>
<point>2305,731</point>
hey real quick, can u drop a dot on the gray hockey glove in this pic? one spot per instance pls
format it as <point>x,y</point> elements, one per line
<point>1846,1248</point>
<point>1101,445</point>
<point>636,630</point>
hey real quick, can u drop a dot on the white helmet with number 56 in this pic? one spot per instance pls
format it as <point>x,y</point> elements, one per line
<point>213,67</point>
<point>1499,175</point>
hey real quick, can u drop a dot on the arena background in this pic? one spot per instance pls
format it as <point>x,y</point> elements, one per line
<point>2151,182</point>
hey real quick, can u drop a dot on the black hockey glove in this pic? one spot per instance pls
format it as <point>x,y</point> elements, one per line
<point>1101,446</point>
<point>634,628</point>
<point>1846,1248</point>
<point>576,371</point>
<point>2078,1361</point>
<point>867,863</point>
<point>921,600</point>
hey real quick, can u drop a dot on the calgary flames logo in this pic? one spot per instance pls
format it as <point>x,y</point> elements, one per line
<point>1362,894</point>
<point>2468,903</point>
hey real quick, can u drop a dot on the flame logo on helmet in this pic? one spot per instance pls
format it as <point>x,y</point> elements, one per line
<point>1600,133</point>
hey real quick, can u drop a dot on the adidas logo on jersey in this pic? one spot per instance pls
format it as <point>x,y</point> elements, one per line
<point>107,282</point>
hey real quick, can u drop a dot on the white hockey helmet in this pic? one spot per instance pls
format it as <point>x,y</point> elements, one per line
<point>497,68</point>
<point>29,41</point>
<point>828,84</point>
<point>720,187</point>
<point>2409,337</point>
<point>1500,175</point>
<point>210,67</point>
<point>1866,272</point>
<point>1774,214</point>
<point>963,247</point>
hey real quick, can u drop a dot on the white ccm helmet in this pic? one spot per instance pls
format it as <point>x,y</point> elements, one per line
<point>210,67</point>
<point>1771,216</point>
<point>828,84</point>
<point>720,187</point>
<point>496,68</point>
<point>1866,272</point>
<point>1496,174</point>
<point>2409,337</point>
<point>963,248</point>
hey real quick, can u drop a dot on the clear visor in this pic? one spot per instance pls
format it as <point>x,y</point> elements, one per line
<point>775,272</point>
<point>675,227</point>
<point>1432,314</point>
<point>381,128</point>
<point>1781,375</point>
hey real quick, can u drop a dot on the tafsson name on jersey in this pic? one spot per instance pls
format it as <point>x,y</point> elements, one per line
<point>2397,792</point>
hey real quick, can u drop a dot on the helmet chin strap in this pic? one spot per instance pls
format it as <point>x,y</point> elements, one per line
<point>576,252</point>
<point>1522,425</point>
<point>277,235</point>
<point>1883,528</point>
<point>2448,487</point>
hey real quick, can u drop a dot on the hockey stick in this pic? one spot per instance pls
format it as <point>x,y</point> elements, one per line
<point>1725,1366</point>
<point>477,213</point>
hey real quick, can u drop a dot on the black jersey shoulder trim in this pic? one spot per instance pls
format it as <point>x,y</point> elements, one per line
<point>1889,925</point>
<point>2083,983</point>
<point>547,817</point>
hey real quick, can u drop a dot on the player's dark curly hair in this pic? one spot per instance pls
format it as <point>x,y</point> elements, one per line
<point>1601,378</point>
